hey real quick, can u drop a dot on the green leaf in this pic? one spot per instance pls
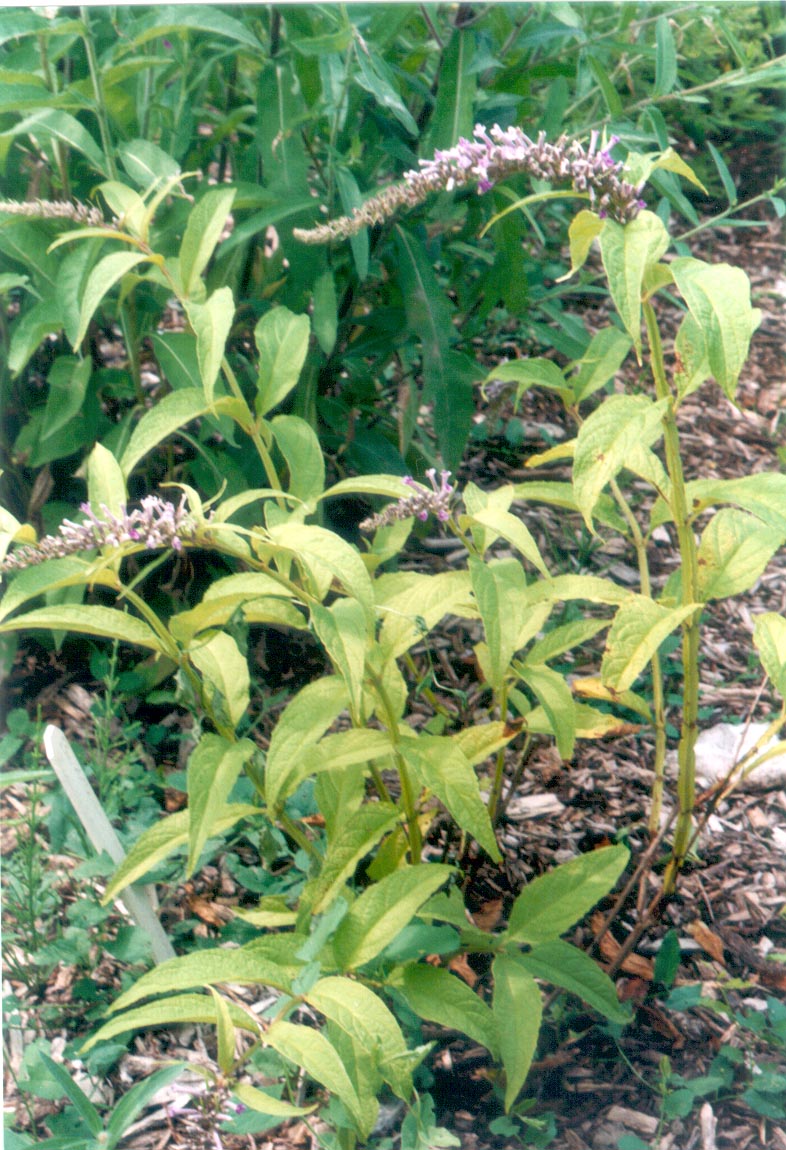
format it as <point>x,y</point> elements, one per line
<point>52,124</point>
<point>104,621</point>
<point>554,695</point>
<point>203,231</point>
<point>197,17</point>
<point>763,494</point>
<point>565,588</point>
<point>301,725</point>
<point>177,358</point>
<point>440,765</point>
<point>363,1016</point>
<point>564,965</point>
<point>609,440</point>
<point>769,637</point>
<point>168,415</point>
<point>102,279</point>
<point>439,996</point>
<point>411,608</point>
<point>374,76</point>
<point>282,342</point>
<point>610,95</point>
<point>453,113</point>
<point>267,961</point>
<point>281,110</point>
<point>168,1012</point>
<point>552,903</point>
<point>213,767</point>
<point>310,1050</point>
<point>325,312</point>
<point>144,161</point>
<point>638,629</point>
<point>212,323</point>
<point>161,839</point>
<point>226,1036</point>
<point>665,57</point>
<point>600,362</point>
<point>264,1103</point>
<point>341,628</point>
<point>584,229</point>
<point>67,381</point>
<point>692,366</point>
<point>43,577</point>
<point>564,638</point>
<point>298,443</point>
<point>500,590</point>
<point>727,180</point>
<point>384,909</point>
<point>225,672</point>
<point>627,251</point>
<point>134,1101</point>
<point>351,198</point>
<point>75,1095</point>
<point>734,551</point>
<point>105,483</point>
<point>718,297</point>
<point>516,996</point>
<point>30,330</point>
<point>512,528</point>
<point>353,838</point>
<point>527,373</point>
<point>320,548</point>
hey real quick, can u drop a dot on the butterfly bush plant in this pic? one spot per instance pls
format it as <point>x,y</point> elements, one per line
<point>343,964</point>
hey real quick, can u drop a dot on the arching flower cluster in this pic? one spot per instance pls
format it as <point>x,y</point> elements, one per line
<point>422,503</point>
<point>491,156</point>
<point>156,524</point>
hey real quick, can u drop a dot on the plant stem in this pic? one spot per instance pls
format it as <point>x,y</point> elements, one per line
<point>678,500</point>
<point>50,76</point>
<point>658,703</point>
<point>407,791</point>
<point>499,766</point>
<point>252,429</point>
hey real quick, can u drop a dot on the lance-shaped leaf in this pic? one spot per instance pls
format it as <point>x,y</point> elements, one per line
<point>564,965</point>
<point>511,528</point>
<point>105,483</point>
<point>54,124</point>
<point>585,227</point>
<point>734,550</point>
<point>412,606</point>
<point>299,728</point>
<point>769,637</point>
<point>212,323</point>
<point>67,382</point>
<point>102,279</point>
<point>49,576</point>
<point>203,231</point>
<point>718,297</point>
<point>501,595</point>
<point>310,1049</point>
<point>88,620</point>
<point>213,768</point>
<point>354,838</point>
<point>627,251</point>
<point>170,1012</point>
<point>516,996</point>
<point>363,1016</point>
<point>600,362</point>
<point>453,114</point>
<point>164,837</point>
<point>224,670</point>
<point>763,494</point>
<point>554,695</point>
<point>282,342</point>
<point>527,373</point>
<point>341,628</point>
<point>264,1103</point>
<point>298,443</point>
<point>609,441</point>
<point>638,629</point>
<point>440,765</point>
<point>267,961</point>
<point>383,910</point>
<point>439,996</point>
<point>550,904</point>
<point>319,548</point>
<point>167,416</point>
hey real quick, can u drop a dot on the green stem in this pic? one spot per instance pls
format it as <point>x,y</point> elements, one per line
<point>678,500</point>
<point>407,791</point>
<point>98,92</point>
<point>499,766</point>
<point>50,77</point>
<point>298,836</point>
<point>252,429</point>
<point>658,700</point>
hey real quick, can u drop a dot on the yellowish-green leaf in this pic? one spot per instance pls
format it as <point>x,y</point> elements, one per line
<point>213,768</point>
<point>171,1011</point>
<point>627,250</point>
<point>516,996</point>
<point>585,227</point>
<point>88,620</point>
<point>203,231</point>
<point>734,551</point>
<point>226,681</point>
<point>638,629</point>
<point>282,342</point>
<point>769,637</point>
<point>212,323</point>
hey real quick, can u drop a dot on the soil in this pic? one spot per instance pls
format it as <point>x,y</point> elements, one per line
<point>728,914</point>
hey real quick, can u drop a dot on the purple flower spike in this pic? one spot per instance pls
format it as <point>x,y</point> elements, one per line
<point>491,156</point>
<point>157,524</point>
<point>420,504</point>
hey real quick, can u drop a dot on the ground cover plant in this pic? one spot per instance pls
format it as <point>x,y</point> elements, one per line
<point>293,398</point>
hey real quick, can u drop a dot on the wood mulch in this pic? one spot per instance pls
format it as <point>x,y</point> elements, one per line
<point>728,913</point>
